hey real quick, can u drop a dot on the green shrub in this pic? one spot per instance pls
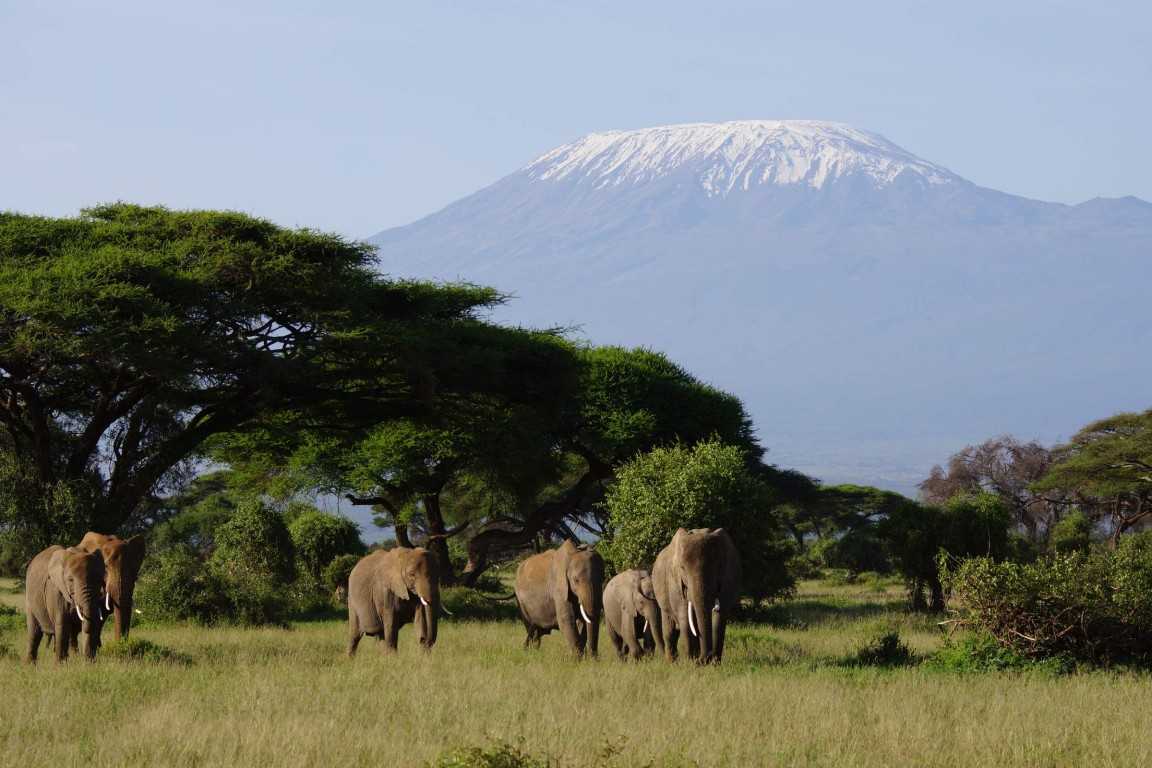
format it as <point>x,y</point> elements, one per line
<point>1094,607</point>
<point>135,649</point>
<point>318,538</point>
<point>1072,534</point>
<point>465,603</point>
<point>255,543</point>
<point>856,551</point>
<point>177,585</point>
<point>336,572</point>
<point>708,485</point>
<point>980,652</point>
<point>499,755</point>
<point>885,650</point>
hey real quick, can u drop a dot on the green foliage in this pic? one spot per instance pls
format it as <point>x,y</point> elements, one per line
<point>856,551</point>
<point>465,603</point>
<point>154,330</point>
<point>190,518</point>
<point>136,649</point>
<point>337,571</point>
<point>175,585</point>
<point>884,650</point>
<point>977,652</point>
<point>255,542</point>
<point>1094,607</point>
<point>1072,534</point>
<point>318,538</point>
<point>499,754</point>
<point>708,485</point>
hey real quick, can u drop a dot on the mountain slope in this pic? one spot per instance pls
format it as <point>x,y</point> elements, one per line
<point>874,310</point>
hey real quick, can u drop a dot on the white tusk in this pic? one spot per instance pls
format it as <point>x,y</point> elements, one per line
<point>716,608</point>
<point>692,624</point>
<point>645,630</point>
<point>80,615</point>
<point>108,602</point>
<point>584,613</point>
<point>446,611</point>
<point>139,611</point>
<point>422,600</point>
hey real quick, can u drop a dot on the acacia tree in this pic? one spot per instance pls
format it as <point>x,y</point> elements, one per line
<point>1107,469</point>
<point>130,335</point>
<point>627,401</point>
<point>1008,468</point>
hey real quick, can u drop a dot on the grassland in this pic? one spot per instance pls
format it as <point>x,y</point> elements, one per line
<point>784,696</point>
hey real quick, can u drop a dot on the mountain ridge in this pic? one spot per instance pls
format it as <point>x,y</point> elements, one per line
<point>833,309</point>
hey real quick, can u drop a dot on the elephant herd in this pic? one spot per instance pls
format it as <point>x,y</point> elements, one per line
<point>692,590</point>
<point>70,592</point>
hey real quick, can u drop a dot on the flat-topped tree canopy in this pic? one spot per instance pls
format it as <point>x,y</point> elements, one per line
<point>129,335</point>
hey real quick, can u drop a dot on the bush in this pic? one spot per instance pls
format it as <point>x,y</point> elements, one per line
<point>856,551</point>
<point>255,543</point>
<point>499,755</point>
<point>1094,607</point>
<point>465,603</point>
<point>1072,534</point>
<point>135,649</point>
<point>336,573</point>
<point>886,650</point>
<point>980,652</point>
<point>708,485</point>
<point>176,585</point>
<point>319,538</point>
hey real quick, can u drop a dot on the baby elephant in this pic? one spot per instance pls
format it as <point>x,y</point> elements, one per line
<point>64,590</point>
<point>390,588</point>
<point>632,614</point>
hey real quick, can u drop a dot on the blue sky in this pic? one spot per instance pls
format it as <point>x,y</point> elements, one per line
<point>357,116</point>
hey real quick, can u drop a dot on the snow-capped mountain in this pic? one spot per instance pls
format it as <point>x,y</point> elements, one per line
<point>874,310</point>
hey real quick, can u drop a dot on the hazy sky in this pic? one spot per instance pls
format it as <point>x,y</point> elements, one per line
<point>357,116</point>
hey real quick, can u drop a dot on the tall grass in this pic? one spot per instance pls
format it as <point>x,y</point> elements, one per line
<point>275,697</point>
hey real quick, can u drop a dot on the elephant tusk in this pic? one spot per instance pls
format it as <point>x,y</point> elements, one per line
<point>139,611</point>
<point>422,600</point>
<point>78,614</point>
<point>645,630</point>
<point>716,608</point>
<point>692,624</point>
<point>108,602</point>
<point>585,615</point>
<point>446,611</point>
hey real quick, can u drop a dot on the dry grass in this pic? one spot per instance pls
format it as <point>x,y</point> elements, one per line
<point>289,698</point>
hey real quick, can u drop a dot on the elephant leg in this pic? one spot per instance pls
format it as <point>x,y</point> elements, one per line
<point>35,634</point>
<point>629,628</point>
<point>671,640</point>
<point>692,641</point>
<point>354,633</point>
<point>63,641</point>
<point>566,619</point>
<point>421,629</point>
<point>617,642</point>
<point>718,644</point>
<point>391,635</point>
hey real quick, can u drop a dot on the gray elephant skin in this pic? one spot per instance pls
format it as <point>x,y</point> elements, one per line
<point>562,589</point>
<point>64,592</point>
<point>697,583</point>
<point>390,588</point>
<point>632,615</point>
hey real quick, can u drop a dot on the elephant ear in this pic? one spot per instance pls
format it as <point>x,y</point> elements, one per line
<point>646,588</point>
<point>393,573</point>
<point>56,573</point>
<point>133,553</point>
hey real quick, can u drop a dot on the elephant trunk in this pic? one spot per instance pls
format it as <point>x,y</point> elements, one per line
<point>590,606</point>
<point>88,607</point>
<point>700,601</point>
<point>429,596</point>
<point>651,613</point>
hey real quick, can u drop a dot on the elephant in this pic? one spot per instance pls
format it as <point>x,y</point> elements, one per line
<point>561,588</point>
<point>122,561</point>
<point>390,588</point>
<point>64,591</point>
<point>697,583</point>
<point>632,614</point>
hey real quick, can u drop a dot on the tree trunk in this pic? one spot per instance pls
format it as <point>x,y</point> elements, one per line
<point>544,517</point>
<point>437,537</point>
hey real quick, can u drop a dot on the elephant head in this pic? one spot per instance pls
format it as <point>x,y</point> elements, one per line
<point>698,564</point>
<point>415,574</point>
<point>122,560</point>
<point>79,577</point>
<point>578,577</point>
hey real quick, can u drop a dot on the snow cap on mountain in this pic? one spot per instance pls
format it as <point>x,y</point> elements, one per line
<point>724,157</point>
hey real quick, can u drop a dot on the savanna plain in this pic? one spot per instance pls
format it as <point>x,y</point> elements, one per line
<point>791,691</point>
